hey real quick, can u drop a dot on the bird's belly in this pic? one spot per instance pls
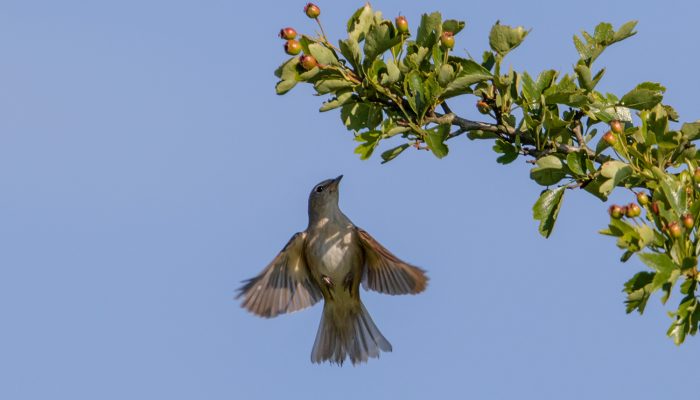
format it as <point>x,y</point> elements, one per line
<point>338,257</point>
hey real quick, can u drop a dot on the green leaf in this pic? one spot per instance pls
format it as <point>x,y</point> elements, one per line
<point>323,54</point>
<point>625,31</point>
<point>573,160</point>
<point>358,116</point>
<point>508,151</point>
<point>350,49</point>
<point>370,140</point>
<point>429,30</point>
<point>662,264</point>
<point>672,190</point>
<point>468,73</point>
<point>546,209</point>
<point>643,97</point>
<point>584,76</point>
<point>283,87</point>
<point>452,25</point>
<point>379,39</point>
<point>392,73</point>
<point>638,290</point>
<point>436,140</point>
<point>687,319</point>
<point>616,172</point>
<point>504,38</point>
<point>393,153</point>
<point>341,98</point>
<point>360,23</point>
<point>548,171</point>
<point>332,85</point>
<point>691,131</point>
<point>446,74</point>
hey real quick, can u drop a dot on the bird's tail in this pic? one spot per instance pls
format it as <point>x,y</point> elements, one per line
<point>349,333</point>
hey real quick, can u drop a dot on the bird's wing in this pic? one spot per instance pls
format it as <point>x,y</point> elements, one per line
<point>386,273</point>
<point>284,285</point>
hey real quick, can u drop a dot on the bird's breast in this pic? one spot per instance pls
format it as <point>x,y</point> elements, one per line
<point>334,253</point>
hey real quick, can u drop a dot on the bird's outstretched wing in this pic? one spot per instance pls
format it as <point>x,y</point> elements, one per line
<point>385,273</point>
<point>284,285</point>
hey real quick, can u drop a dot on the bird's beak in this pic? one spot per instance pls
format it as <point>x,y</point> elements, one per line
<point>334,184</point>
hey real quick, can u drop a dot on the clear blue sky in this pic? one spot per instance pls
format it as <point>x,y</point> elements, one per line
<point>147,167</point>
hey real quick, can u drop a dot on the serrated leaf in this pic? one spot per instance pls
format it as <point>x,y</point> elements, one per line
<point>379,39</point>
<point>360,22</point>
<point>452,25</point>
<point>358,116</point>
<point>508,151</point>
<point>393,153</point>
<point>340,99</point>
<point>435,139</point>
<point>469,72</point>
<point>546,209</point>
<point>323,54</point>
<point>429,29</point>
<point>672,191</point>
<point>350,49</point>
<point>392,73</point>
<point>504,38</point>
<point>643,97</point>
<point>638,290</point>
<point>625,31</point>
<point>283,87</point>
<point>691,130</point>
<point>369,140</point>
<point>332,85</point>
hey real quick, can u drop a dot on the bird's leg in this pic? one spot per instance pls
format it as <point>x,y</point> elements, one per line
<point>327,280</point>
<point>347,282</point>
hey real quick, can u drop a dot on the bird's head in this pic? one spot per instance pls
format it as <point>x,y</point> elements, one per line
<point>323,199</point>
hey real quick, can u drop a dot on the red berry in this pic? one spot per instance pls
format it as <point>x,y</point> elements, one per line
<point>308,62</point>
<point>616,126</point>
<point>674,229</point>
<point>655,208</point>
<point>402,24</point>
<point>688,221</point>
<point>642,198</point>
<point>483,107</point>
<point>632,210</point>
<point>447,39</point>
<point>312,10</point>
<point>288,33</point>
<point>609,138</point>
<point>615,211</point>
<point>696,174</point>
<point>292,47</point>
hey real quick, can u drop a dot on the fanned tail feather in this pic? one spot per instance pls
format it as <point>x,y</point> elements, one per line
<point>353,336</point>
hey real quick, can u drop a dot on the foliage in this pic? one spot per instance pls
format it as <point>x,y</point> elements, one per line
<point>392,86</point>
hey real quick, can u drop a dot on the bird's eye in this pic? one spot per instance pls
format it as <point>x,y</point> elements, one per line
<point>319,189</point>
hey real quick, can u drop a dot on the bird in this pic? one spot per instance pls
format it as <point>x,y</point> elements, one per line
<point>328,261</point>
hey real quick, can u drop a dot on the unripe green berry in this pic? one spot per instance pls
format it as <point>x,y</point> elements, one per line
<point>312,10</point>
<point>292,47</point>
<point>402,24</point>
<point>642,198</point>
<point>447,39</point>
